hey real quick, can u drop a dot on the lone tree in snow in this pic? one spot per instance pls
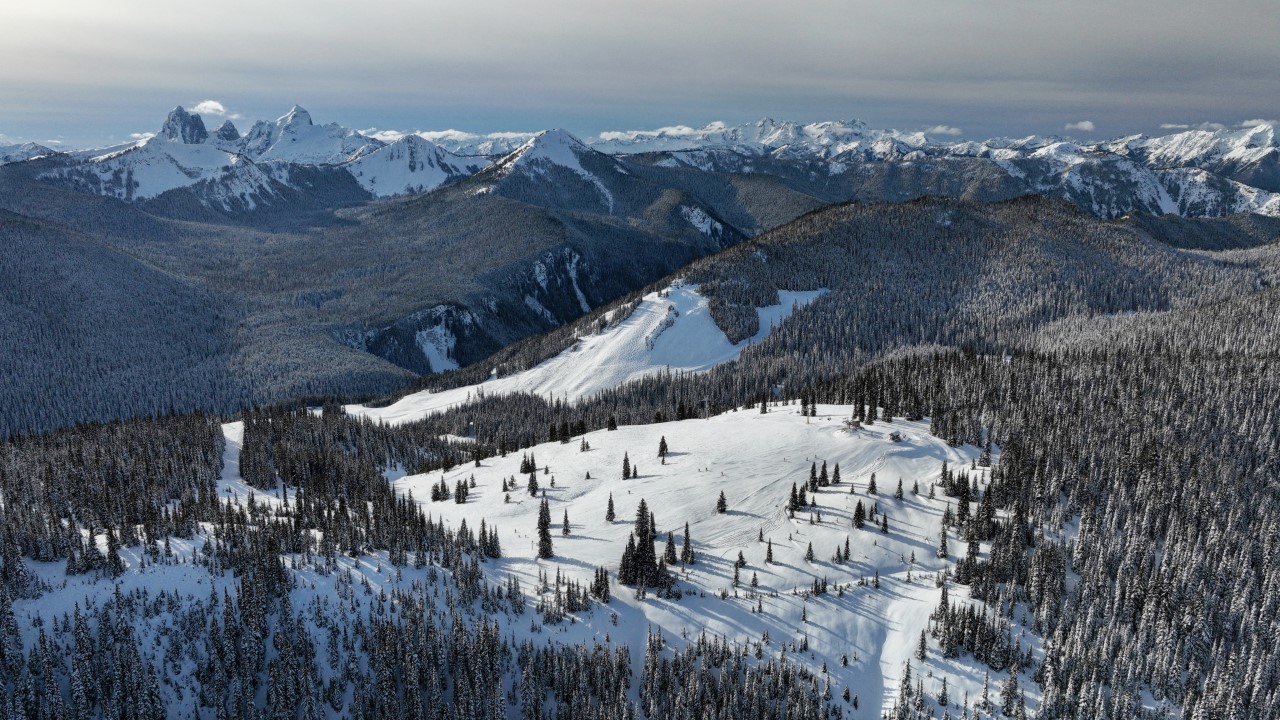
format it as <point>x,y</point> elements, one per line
<point>544,530</point>
<point>686,551</point>
<point>721,504</point>
<point>662,447</point>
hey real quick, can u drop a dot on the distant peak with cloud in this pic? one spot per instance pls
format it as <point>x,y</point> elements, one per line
<point>213,107</point>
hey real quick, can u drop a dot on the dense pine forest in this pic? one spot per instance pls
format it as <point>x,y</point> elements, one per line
<point>1123,395</point>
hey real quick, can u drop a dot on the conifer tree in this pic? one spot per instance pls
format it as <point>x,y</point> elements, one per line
<point>686,550</point>
<point>544,530</point>
<point>722,504</point>
<point>609,514</point>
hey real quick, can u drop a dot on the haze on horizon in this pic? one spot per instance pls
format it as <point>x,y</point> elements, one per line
<point>88,73</point>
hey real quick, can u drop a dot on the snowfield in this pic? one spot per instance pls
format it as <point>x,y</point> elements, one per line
<point>753,459</point>
<point>670,330</point>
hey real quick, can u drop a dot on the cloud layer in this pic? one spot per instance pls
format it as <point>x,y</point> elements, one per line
<point>84,67</point>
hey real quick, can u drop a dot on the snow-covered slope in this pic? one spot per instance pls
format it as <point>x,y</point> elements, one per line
<point>1200,193</point>
<point>295,138</point>
<point>23,151</point>
<point>753,459</point>
<point>670,330</point>
<point>552,152</point>
<point>1206,148</point>
<point>410,165</point>
<point>878,601</point>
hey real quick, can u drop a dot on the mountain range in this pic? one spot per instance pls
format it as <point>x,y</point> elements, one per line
<point>1210,172</point>
<point>306,260</point>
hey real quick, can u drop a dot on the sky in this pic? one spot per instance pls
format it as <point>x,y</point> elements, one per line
<point>88,72</point>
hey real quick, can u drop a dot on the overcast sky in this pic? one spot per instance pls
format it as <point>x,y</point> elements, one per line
<point>93,71</point>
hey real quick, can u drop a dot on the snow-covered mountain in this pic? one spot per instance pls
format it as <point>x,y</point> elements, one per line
<point>561,168</point>
<point>1205,148</point>
<point>765,135</point>
<point>23,151</point>
<point>1196,172</point>
<point>459,142</point>
<point>410,165</point>
<point>295,138</point>
<point>180,155</point>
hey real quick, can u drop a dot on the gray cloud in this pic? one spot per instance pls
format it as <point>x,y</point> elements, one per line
<point>87,69</point>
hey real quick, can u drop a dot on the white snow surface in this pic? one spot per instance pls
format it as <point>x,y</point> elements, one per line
<point>634,348</point>
<point>753,459</point>
<point>437,344</point>
<point>700,220</point>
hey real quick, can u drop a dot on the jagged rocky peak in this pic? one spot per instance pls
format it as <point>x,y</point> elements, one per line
<point>296,117</point>
<point>227,131</point>
<point>182,126</point>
